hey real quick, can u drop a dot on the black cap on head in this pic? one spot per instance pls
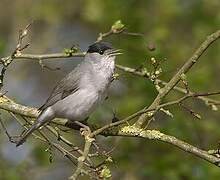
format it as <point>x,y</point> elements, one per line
<point>99,47</point>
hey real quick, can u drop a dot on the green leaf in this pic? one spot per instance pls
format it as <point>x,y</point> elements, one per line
<point>117,26</point>
<point>214,107</point>
<point>105,173</point>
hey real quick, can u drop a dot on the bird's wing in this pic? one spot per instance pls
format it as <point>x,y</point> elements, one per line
<point>68,85</point>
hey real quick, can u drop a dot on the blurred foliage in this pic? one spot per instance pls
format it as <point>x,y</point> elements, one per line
<point>175,28</point>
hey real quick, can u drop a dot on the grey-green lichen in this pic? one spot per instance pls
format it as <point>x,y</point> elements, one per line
<point>130,130</point>
<point>151,134</point>
<point>134,131</point>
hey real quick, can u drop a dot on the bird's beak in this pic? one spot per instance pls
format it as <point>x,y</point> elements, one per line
<point>114,52</point>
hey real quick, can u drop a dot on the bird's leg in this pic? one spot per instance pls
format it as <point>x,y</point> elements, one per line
<point>113,111</point>
<point>76,124</point>
<point>115,118</point>
<point>83,127</point>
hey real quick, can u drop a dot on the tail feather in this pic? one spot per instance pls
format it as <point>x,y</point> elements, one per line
<point>26,134</point>
<point>43,118</point>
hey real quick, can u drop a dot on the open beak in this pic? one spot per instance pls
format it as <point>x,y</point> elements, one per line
<point>114,52</point>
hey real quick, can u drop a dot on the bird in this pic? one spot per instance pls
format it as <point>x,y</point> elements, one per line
<point>79,93</point>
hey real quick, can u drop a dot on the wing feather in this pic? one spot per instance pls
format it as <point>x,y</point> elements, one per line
<point>67,86</point>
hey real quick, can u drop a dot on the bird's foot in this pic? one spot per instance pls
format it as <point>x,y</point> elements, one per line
<point>115,119</point>
<point>84,128</point>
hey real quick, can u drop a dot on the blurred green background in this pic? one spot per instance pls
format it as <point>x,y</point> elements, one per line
<point>175,27</point>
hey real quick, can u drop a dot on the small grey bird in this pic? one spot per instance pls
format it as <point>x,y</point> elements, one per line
<point>77,95</point>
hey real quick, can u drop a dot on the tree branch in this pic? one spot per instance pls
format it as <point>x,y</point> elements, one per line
<point>132,131</point>
<point>177,77</point>
<point>116,130</point>
<point>49,56</point>
<point>81,159</point>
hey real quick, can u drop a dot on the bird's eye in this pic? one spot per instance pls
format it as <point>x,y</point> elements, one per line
<point>101,52</point>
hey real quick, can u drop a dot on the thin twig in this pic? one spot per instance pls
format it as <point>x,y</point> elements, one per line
<point>10,138</point>
<point>107,131</point>
<point>157,135</point>
<point>81,159</point>
<point>177,88</point>
<point>177,77</point>
<point>114,129</point>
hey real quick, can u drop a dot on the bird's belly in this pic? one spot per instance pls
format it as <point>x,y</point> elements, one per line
<point>77,106</point>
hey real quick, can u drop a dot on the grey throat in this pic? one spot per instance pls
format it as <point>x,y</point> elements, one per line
<point>78,94</point>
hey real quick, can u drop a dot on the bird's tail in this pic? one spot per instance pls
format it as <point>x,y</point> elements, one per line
<point>27,133</point>
<point>43,118</point>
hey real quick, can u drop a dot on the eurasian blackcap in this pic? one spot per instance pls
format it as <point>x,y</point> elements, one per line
<point>77,95</point>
